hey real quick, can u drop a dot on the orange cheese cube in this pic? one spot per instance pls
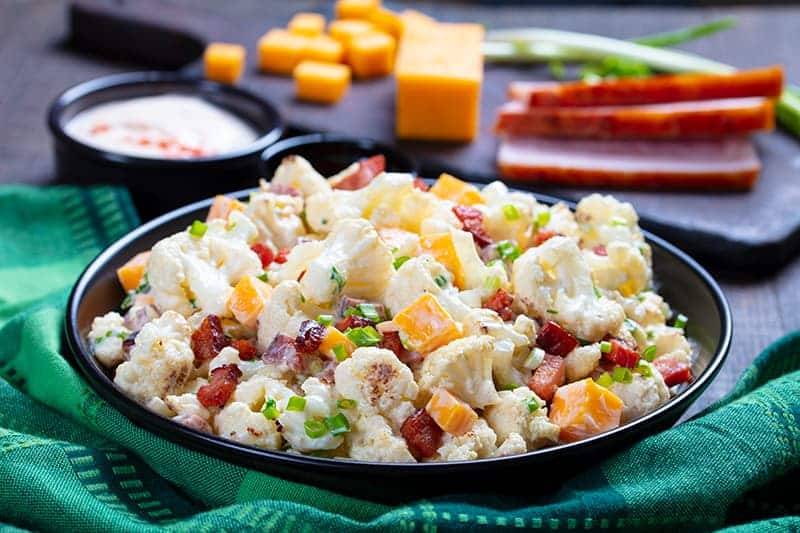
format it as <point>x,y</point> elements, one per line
<point>224,62</point>
<point>439,72</point>
<point>426,324</point>
<point>308,24</point>
<point>584,408</point>
<point>248,299</point>
<point>443,249</point>
<point>130,274</point>
<point>449,187</point>
<point>325,49</point>
<point>371,54</point>
<point>387,21</point>
<point>451,414</point>
<point>333,338</point>
<point>355,9</point>
<point>344,30</point>
<point>320,82</point>
<point>280,51</point>
<point>411,20</point>
<point>222,207</point>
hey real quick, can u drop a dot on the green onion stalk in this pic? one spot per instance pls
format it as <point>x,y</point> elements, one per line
<point>609,56</point>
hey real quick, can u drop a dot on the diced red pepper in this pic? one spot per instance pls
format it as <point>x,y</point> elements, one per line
<point>500,302</point>
<point>543,235</point>
<point>264,253</point>
<point>622,355</point>
<point>281,257</point>
<point>548,377</point>
<point>674,371</point>
<point>247,350</point>
<point>209,339</point>
<point>556,340</point>
<point>222,383</point>
<point>472,220</point>
<point>422,434</point>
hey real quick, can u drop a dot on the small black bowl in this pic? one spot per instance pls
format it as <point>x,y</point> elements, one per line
<point>331,153</point>
<point>682,282</point>
<point>159,185</point>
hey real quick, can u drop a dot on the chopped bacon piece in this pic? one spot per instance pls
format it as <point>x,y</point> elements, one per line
<point>222,383</point>
<point>282,349</point>
<point>281,257</point>
<point>247,350</point>
<point>548,377</point>
<point>622,355</point>
<point>353,321</point>
<point>282,188</point>
<point>209,339</point>
<point>600,249</point>
<point>422,434</point>
<point>421,185</point>
<point>556,340</point>
<point>501,302</point>
<point>310,336</point>
<point>472,220</point>
<point>543,235</point>
<point>364,174</point>
<point>264,253</point>
<point>674,371</point>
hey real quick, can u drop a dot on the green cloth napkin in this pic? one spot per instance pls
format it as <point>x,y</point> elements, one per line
<point>70,462</point>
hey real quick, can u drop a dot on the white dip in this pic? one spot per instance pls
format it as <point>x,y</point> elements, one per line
<point>170,126</point>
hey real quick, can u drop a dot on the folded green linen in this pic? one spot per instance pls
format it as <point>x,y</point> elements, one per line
<point>70,462</point>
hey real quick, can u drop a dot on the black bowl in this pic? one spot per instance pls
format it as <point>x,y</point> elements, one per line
<point>159,185</point>
<point>682,282</point>
<point>331,153</point>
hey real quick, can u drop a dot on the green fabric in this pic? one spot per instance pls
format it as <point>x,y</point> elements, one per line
<point>68,461</point>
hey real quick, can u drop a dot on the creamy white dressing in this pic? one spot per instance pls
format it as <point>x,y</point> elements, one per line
<point>169,126</point>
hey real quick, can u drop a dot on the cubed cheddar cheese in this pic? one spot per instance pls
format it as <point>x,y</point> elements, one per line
<point>411,20</point>
<point>355,9</point>
<point>222,207</point>
<point>387,21</point>
<point>308,24</point>
<point>325,49</point>
<point>451,414</point>
<point>584,408</point>
<point>371,54</point>
<point>224,62</point>
<point>319,82</point>
<point>426,325</point>
<point>280,51</point>
<point>248,299</point>
<point>345,30</point>
<point>333,338</point>
<point>439,72</point>
<point>449,187</point>
<point>130,274</point>
<point>442,248</point>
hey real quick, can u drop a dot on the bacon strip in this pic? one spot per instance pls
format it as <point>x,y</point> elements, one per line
<point>766,82</point>
<point>500,302</point>
<point>548,377</point>
<point>554,339</point>
<point>680,120</point>
<point>222,383</point>
<point>729,163</point>
<point>209,339</point>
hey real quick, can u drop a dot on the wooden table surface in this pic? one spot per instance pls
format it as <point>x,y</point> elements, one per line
<point>36,67</point>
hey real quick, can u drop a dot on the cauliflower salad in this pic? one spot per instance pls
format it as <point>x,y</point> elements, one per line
<point>369,316</point>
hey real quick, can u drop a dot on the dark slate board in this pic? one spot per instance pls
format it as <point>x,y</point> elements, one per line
<point>757,230</point>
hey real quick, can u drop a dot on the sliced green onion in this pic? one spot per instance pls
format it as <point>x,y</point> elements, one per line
<point>493,262</point>
<point>263,277</point>
<point>394,249</point>
<point>296,403</point>
<point>127,303</point>
<point>583,342</point>
<point>337,424</point>
<point>533,405</point>
<point>644,370</point>
<point>605,347</point>
<point>340,352</point>
<point>680,321</point>
<point>683,35</point>
<point>337,278</point>
<point>597,292</point>
<point>649,353</point>
<point>605,380</point>
<point>542,219</point>
<point>441,281</point>
<point>511,386</point>
<point>198,229</point>
<point>346,403</point>
<point>492,283</point>
<point>399,261</point>
<point>622,374</point>
<point>557,69</point>
<point>315,429</point>
<point>552,311</point>
<point>534,359</point>
<point>370,312</point>
<point>325,320</point>
<point>618,221</point>
<point>511,212</point>
<point>508,250</point>
<point>270,410</point>
<point>364,336</point>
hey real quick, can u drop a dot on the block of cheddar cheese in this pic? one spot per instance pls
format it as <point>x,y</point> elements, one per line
<point>371,54</point>
<point>344,30</point>
<point>279,51</point>
<point>355,9</point>
<point>439,71</point>
<point>224,62</point>
<point>325,49</point>
<point>308,24</point>
<point>320,82</point>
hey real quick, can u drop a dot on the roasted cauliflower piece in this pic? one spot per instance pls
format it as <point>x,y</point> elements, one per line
<point>521,412</point>
<point>372,439</point>
<point>477,443</point>
<point>297,173</point>
<point>277,218</point>
<point>106,337</point>
<point>642,395</point>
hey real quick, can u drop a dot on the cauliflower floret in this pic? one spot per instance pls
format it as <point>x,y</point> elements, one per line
<point>295,171</point>
<point>296,262</point>
<point>277,217</point>
<point>106,336</point>
<point>562,220</point>
<point>416,277</point>
<point>672,342</point>
<point>371,439</point>
<point>604,219</point>
<point>464,367</point>
<point>238,423</point>
<point>283,313</point>
<point>581,362</point>
<point>554,277</point>
<point>354,259</point>
<point>187,404</point>
<point>510,346</point>
<point>230,356</point>
<point>476,275</point>
<point>161,359</point>
<point>478,442</point>
<point>159,407</point>
<point>622,269</point>
<point>500,203</point>
<point>402,243</point>
<point>512,415</point>
<point>324,209</point>
<point>647,308</point>
<point>513,445</point>
<point>642,395</point>
<point>319,404</point>
<point>379,383</point>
